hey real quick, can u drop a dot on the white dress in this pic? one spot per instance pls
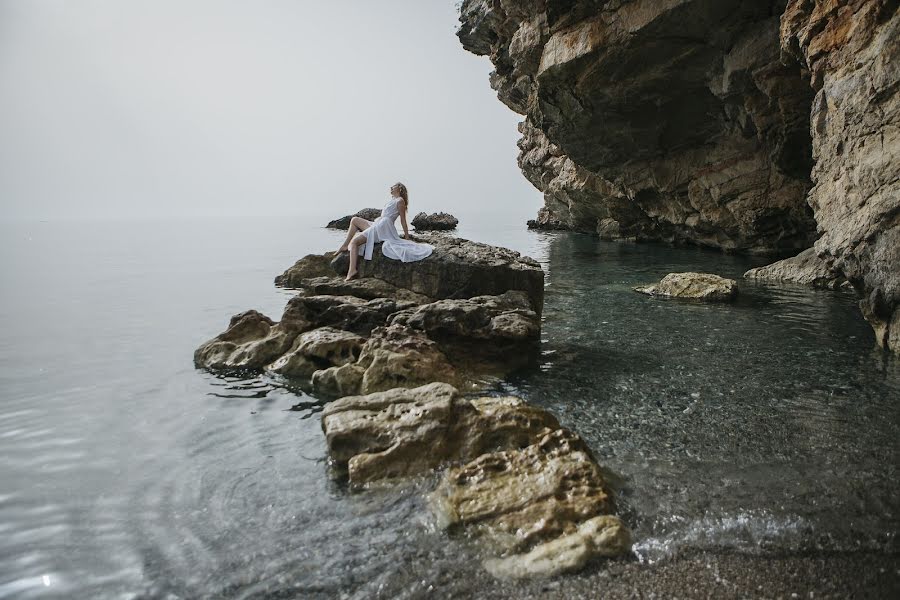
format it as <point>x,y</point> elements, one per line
<point>393,246</point>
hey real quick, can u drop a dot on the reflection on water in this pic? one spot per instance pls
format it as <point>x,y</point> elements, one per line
<point>764,426</point>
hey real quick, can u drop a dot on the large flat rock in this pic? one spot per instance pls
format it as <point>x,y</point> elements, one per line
<point>457,268</point>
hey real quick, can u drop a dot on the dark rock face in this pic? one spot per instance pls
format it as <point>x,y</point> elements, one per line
<point>369,214</point>
<point>457,268</point>
<point>671,120</point>
<point>751,126</point>
<point>434,222</point>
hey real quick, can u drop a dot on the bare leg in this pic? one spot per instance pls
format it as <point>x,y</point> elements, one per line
<point>356,224</point>
<point>355,243</point>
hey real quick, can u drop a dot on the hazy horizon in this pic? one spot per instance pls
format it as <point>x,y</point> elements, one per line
<point>126,109</point>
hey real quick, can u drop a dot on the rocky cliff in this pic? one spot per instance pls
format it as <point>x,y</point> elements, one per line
<point>746,125</point>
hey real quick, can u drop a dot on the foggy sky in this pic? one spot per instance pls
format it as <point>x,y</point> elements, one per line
<point>127,108</point>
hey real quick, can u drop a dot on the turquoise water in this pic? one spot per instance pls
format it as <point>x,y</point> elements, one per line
<point>766,426</point>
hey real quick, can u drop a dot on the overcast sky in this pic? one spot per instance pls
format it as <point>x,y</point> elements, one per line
<point>121,108</point>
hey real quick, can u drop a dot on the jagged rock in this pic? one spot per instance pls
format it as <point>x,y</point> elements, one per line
<point>251,341</point>
<point>311,265</point>
<point>404,432</point>
<point>487,333</point>
<point>318,349</point>
<point>806,269</point>
<point>397,356</point>
<point>693,286</point>
<point>338,381</point>
<point>457,268</point>
<point>369,214</point>
<point>671,121</point>
<point>852,53</point>
<point>342,312</point>
<point>603,536</point>
<point>439,221</point>
<point>525,496</point>
<point>367,288</point>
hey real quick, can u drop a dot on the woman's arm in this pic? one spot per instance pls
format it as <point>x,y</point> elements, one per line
<point>403,219</point>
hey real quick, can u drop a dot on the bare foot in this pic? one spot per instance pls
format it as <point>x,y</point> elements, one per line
<point>351,275</point>
<point>341,249</point>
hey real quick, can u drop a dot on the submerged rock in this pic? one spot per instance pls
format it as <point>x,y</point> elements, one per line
<point>603,536</point>
<point>693,286</point>
<point>439,221</point>
<point>806,269</point>
<point>525,495</point>
<point>457,268</point>
<point>404,432</point>
<point>369,214</point>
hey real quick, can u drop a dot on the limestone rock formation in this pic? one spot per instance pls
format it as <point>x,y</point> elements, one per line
<point>668,120</point>
<point>251,341</point>
<point>852,53</point>
<point>533,488</point>
<point>311,265</point>
<point>752,126</point>
<point>404,432</point>
<point>320,348</point>
<point>693,286</point>
<point>457,268</point>
<point>604,536</point>
<point>806,269</point>
<point>369,214</point>
<point>439,221</point>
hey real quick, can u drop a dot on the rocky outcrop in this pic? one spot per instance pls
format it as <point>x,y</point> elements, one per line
<point>369,214</point>
<point>457,268</point>
<point>530,486</point>
<point>746,126</point>
<point>852,53</point>
<point>371,334</point>
<point>670,120</point>
<point>805,269</point>
<point>439,221</point>
<point>705,287</point>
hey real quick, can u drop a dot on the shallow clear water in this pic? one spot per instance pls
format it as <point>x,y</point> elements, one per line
<point>765,426</point>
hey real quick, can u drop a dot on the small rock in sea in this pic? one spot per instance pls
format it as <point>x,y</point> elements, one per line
<point>693,286</point>
<point>440,221</point>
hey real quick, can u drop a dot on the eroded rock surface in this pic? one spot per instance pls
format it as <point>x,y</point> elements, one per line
<point>852,52</point>
<point>672,120</point>
<point>404,432</point>
<point>532,488</point>
<point>693,286</point>
<point>805,269</point>
<point>368,288</point>
<point>439,221</point>
<point>251,341</point>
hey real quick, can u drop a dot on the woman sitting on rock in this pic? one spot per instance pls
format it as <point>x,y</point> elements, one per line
<point>363,235</point>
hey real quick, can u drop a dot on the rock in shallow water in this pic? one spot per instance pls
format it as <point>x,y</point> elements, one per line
<point>603,536</point>
<point>439,221</point>
<point>805,269</point>
<point>693,286</point>
<point>369,214</point>
<point>404,432</point>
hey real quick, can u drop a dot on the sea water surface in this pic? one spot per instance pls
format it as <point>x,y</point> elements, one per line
<point>767,426</point>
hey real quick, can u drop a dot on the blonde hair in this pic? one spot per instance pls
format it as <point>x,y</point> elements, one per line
<point>403,192</point>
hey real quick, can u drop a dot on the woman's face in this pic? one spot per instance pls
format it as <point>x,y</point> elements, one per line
<point>395,191</point>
